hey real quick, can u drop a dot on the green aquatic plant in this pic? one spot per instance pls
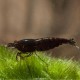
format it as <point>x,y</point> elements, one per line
<point>33,68</point>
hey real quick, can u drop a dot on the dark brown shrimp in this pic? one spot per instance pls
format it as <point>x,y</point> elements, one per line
<point>41,44</point>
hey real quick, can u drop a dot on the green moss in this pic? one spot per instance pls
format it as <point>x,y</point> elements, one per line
<point>32,67</point>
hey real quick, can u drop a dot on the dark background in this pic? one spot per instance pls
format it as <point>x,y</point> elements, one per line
<point>21,19</point>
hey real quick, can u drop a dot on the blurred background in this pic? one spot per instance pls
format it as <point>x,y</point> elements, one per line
<point>21,19</point>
